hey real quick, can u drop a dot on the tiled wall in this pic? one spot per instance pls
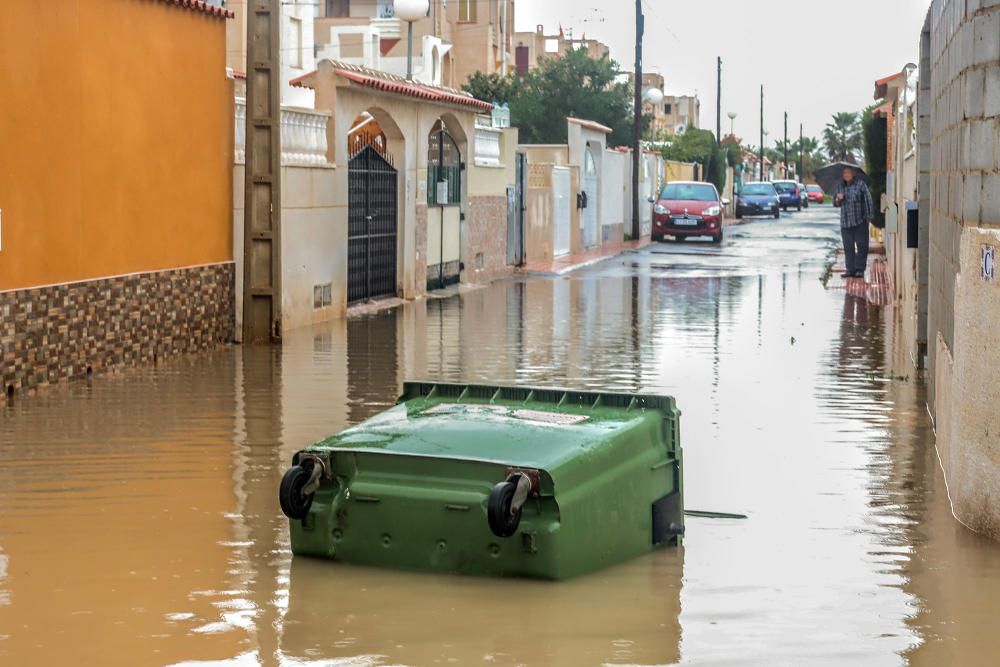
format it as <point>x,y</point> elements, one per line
<point>54,334</point>
<point>485,233</point>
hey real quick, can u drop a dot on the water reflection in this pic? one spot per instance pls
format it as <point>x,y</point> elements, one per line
<point>139,524</point>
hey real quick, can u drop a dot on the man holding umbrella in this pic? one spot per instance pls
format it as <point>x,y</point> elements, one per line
<point>856,212</point>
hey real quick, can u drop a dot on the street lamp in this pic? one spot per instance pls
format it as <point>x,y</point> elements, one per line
<point>763,147</point>
<point>732,118</point>
<point>410,11</point>
<point>653,96</point>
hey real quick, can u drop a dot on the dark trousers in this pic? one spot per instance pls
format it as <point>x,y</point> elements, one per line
<point>855,248</point>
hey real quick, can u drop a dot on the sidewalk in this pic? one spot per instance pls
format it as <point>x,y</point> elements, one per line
<point>876,287</point>
<point>567,263</point>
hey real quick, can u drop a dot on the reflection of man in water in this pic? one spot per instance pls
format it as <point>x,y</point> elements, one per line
<point>856,213</point>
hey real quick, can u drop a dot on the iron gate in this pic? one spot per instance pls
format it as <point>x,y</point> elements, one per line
<point>371,226</point>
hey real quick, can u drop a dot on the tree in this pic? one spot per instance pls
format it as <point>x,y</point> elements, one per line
<point>493,87</point>
<point>572,85</point>
<point>693,145</point>
<point>874,132</point>
<point>842,137</point>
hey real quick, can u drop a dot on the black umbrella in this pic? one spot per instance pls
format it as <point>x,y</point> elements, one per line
<point>832,175</point>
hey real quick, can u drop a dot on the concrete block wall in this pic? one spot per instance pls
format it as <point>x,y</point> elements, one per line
<point>960,182</point>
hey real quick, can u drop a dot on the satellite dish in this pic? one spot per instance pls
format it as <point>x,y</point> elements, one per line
<point>680,129</point>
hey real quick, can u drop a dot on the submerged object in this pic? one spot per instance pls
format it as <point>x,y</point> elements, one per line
<point>487,480</point>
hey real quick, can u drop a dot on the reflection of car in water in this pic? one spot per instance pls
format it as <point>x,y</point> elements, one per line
<point>688,209</point>
<point>789,194</point>
<point>758,199</point>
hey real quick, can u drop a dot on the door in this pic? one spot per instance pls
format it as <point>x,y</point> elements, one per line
<point>371,226</point>
<point>515,212</point>
<point>560,211</point>
<point>590,188</point>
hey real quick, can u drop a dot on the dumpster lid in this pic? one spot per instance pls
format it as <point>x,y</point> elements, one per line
<point>512,425</point>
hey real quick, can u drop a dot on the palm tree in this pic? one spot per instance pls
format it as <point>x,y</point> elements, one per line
<point>842,137</point>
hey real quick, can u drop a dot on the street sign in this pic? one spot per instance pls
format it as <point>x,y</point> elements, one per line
<point>989,263</point>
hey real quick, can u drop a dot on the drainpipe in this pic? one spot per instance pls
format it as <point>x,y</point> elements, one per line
<point>503,38</point>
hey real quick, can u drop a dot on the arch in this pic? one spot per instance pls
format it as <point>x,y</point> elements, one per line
<point>435,67</point>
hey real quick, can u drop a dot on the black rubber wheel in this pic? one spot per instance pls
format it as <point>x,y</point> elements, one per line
<point>293,504</point>
<point>739,213</point>
<point>502,522</point>
<point>717,239</point>
<point>800,207</point>
<point>777,215</point>
<point>658,238</point>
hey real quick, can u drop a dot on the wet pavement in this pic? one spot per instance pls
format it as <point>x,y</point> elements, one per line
<point>139,522</point>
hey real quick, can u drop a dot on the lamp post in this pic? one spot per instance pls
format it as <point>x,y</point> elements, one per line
<point>763,147</point>
<point>410,11</point>
<point>732,123</point>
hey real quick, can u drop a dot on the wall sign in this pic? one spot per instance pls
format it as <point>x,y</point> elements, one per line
<point>989,263</point>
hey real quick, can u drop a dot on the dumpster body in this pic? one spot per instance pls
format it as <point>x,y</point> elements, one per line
<point>484,480</point>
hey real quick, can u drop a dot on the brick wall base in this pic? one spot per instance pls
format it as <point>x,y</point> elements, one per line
<point>57,333</point>
<point>484,240</point>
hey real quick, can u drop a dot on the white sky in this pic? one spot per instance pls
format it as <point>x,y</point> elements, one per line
<point>813,57</point>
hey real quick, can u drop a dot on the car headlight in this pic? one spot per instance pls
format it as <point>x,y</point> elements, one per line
<point>712,210</point>
<point>660,209</point>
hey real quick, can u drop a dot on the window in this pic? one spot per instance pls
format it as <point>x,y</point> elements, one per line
<point>295,47</point>
<point>338,8</point>
<point>666,108</point>
<point>467,11</point>
<point>689,192</point>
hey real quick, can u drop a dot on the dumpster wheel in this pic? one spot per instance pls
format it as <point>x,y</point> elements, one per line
<point>295,501</point>
<point>503,509</point>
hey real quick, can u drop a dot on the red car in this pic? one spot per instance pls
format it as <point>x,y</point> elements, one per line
<point>815,193</point>
<point>688,209</point>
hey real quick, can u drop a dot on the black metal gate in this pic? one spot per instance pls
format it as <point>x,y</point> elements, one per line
<point>371,226</point>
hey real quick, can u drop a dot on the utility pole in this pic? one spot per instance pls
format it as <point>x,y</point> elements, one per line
<point>718,103</point>
<point>262,186</point>
<point>637,118</point>
<point>762,134</point>
<point>785,168</point>
<point>802,156</point>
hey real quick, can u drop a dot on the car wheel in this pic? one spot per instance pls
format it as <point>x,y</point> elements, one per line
<point>739,213</point>
<point>658,238</point>
<point>800,207</point>
<point>717,239</point>
<point>777,214</point>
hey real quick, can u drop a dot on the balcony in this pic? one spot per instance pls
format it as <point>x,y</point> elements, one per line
<point>303,136</point>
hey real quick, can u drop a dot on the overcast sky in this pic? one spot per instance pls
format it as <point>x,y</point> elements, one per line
<point>813,57</point>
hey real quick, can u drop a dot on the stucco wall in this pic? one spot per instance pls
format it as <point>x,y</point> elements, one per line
<point>115,140</point>
<point>964,204</point>
<point>616,170</point>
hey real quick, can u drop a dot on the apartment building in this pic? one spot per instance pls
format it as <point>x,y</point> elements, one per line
<point>529,47</point>
<point>454,41</point>
<point>681,112</point>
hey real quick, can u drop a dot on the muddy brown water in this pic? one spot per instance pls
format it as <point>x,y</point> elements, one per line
<point>139,523</point>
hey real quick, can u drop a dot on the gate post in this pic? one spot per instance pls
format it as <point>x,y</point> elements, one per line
<point>262,187</point>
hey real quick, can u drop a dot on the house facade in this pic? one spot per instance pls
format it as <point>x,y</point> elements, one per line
<point>455,40</point>
<point>115,228</point>
<point>529,47</point>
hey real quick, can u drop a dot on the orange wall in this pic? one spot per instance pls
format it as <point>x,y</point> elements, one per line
<point>116,140</point>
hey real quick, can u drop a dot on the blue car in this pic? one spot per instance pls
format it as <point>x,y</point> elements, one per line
<point>758,199</point>
<point>790,194</point>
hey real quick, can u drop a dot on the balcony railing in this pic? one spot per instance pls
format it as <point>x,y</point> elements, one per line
<point>303,136</point>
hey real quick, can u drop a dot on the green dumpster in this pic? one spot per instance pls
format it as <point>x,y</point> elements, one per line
<point>485,480</point>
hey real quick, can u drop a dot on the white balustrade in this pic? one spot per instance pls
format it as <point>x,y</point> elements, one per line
<point>303,135</point>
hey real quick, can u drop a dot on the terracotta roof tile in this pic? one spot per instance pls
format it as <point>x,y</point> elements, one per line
<point>201,6</point>
<point>398,85</point>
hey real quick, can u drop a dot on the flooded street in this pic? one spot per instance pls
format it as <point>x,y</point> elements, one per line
<point>139,522</point>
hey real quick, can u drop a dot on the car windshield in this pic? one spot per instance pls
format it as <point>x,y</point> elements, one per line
<point>758,189</point>
<point>813,188</point>
<point>688,192</point>
<point>784,188</point>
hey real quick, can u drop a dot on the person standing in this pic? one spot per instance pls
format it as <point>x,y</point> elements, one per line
<point>856,212</point>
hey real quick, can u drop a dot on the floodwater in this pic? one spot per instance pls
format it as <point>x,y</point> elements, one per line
<point>139,523</point>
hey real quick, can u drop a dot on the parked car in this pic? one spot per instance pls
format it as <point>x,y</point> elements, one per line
<point>758,199</point>
<point>815,194</point>
<point>789,194</point>
<point>803,195</point>
<point>686,208</point>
